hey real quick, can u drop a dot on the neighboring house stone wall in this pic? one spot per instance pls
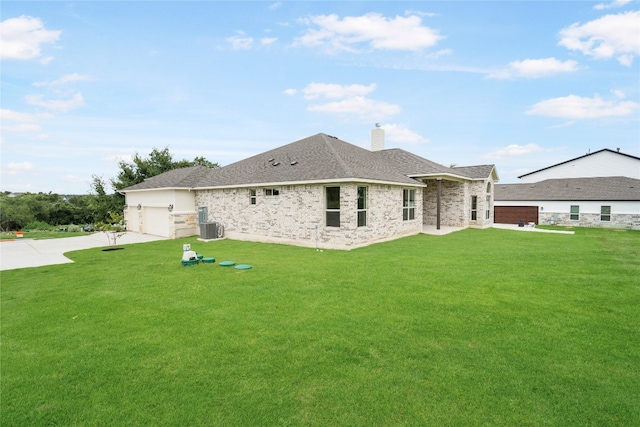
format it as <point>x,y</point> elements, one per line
<point>629,221</point>
<point>624,214</point>
<point>297,215</point>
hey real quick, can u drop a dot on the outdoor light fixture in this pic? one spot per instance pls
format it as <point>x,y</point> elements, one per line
<point>170,208</point>
<point>139,206</point>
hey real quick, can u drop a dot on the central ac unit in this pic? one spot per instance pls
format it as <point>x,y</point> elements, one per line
<point>209,230</point>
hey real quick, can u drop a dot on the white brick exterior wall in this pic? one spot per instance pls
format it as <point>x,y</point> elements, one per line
<point>455,203</point>
<point>297,215</point>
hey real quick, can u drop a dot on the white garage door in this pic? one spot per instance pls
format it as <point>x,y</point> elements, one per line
<point>132,217</point>
<point>156,221</point>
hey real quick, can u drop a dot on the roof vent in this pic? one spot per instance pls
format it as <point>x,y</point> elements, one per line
<point>271,160</point>
<point>275,163</point>
<point>295,162</point>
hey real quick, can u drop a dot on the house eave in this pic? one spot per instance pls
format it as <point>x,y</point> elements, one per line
<point>444,176</point>
<point>314,182</point>
<point>142,190</point>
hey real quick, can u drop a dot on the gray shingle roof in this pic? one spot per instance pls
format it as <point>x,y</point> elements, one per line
<point>603,188</point>
<point>476,172</point>
<point>319,157</point>
<point>178,178</point>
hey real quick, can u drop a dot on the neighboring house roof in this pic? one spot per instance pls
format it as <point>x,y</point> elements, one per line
<point>581,157</point>
<point>585,189</point>
<point>321,158</point>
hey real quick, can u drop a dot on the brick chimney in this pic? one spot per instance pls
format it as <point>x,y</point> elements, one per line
<point>377,138</point>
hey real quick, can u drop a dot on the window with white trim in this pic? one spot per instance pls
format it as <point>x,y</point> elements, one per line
<point>487,208</point>
<point>474,208</point>
<point>362,206</point>
<point>605,213</point>
<point>408,204</point>
<point>332,206</point>
<point>271,192</point>
<point>575,213</point>
<point>252,196</point>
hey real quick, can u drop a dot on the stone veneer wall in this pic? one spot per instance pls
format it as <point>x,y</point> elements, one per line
<point>455,203</point>
<point>629,221</point>
<point>183,224</point>
<point>297,215</point>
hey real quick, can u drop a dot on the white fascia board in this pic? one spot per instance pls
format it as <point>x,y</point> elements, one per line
<point>316,182</point>
<point>141,190</point>
<point>445,176</point>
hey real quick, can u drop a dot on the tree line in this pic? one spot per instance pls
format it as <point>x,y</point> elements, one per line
<point>99,206</point>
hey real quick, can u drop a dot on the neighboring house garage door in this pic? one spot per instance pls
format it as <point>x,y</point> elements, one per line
<point>515,214</point>
<point>156,221</point>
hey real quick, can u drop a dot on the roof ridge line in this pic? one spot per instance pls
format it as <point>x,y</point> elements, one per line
<point>344,166</point>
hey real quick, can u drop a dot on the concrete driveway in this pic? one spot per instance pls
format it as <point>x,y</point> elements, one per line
<point>24,252</point>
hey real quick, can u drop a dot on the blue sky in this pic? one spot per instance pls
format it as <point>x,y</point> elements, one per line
<point>521,85</point>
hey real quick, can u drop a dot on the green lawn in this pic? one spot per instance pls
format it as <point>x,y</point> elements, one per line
<point>41,234</point>
<point>479,327</point>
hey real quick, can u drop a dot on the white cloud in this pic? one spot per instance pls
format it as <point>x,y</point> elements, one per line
<point>577,107</point>
<point>69,78</point>
<point>513,150</point>
<point>402,135</point>
<point>335,91</point>
<point>275,5</point>
<point>22,127</point>
<point>61,106</point>
<point>266,41</point>
<point>618,93</point>
<point>22,37</point>
<point>350,101</point>
<point>240,42</point>
<point>359,106</point>
<point>16,168</point>
<point>373,29</point>
<point>117,158</point>
<point>606,37</point>
<point>613,4</point>
<point>535,68</point>
<point>75,179</point>
<point>10,115</point>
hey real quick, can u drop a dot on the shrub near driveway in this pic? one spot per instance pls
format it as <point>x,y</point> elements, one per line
<point>488,327</point>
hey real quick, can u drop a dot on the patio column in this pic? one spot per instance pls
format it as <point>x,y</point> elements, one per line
<point>439,192</point>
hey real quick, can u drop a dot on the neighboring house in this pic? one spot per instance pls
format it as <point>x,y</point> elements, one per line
<point>600,189</point>
<point>600,163</point>
<point>320,192</point>
<point>588,202</point>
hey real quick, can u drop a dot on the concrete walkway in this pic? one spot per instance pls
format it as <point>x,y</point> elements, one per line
<point>431,229</point>
<point>531,229</point>
<point>24,252</point>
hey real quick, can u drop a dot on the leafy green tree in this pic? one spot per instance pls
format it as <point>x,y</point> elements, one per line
<point>103,203</point>
<point>81,209</point>
<point>14,212</point>
<point>158,161</point>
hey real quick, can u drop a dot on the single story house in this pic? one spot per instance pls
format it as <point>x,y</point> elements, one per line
<point>319,192</point>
